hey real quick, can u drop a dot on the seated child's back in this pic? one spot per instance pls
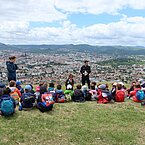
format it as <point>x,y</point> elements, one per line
<point>27,98</point>
<point>59,96</point>
<point>7,103</point>
<point>78,95</point>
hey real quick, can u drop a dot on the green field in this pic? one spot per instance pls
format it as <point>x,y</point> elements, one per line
<point>86,123</point>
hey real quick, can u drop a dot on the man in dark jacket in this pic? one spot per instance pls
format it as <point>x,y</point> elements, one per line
<point>11,67</point>
<point>85,71</point>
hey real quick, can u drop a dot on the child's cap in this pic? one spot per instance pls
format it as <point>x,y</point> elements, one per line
<point>102,87</point>
<point>121,83</point>
<point>18,82</point>
<point>115,84</point>
<point>28,87</point>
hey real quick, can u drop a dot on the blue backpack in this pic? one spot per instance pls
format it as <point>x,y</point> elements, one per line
<point>7,107</point>
<point>140,95</point>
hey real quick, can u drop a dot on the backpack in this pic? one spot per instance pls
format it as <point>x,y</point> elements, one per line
<point>140,95</point>
<point>109,96</point>
<point>7,107</point>
<point>47,99</point>
<point>60,98</point>
<point>102,98</point>
<point>28,99</point>
<point>15,95</point>
<point>120,96</point>
<point>88,96</point>
<point>78,95</point>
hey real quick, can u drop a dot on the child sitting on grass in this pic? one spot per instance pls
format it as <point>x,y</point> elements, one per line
<point>137,95</point>
<point>15,93</point>
<point>19,86</point>
<point>59,96</point>
<point>104,95</point>
<point>69,84</point>
<point>93,93</point>
<point>27,99</point>
<point>46,100</point>
<point>2,87</point>
<point>51,88</point>
<point>78,95</point>
<point>120,93</point>
<point>7,103</point>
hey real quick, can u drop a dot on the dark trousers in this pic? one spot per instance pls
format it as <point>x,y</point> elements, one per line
<point>86,79</point>
<point>11,78</point>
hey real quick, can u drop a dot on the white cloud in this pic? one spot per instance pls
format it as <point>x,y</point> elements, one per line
<point>29,10</point>
<point>98,6</point>
<point>128,31</point>
<point>90,6</point>
<point>16,16</point>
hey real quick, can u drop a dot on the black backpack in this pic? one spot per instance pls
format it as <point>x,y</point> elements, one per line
<point>78,96</point>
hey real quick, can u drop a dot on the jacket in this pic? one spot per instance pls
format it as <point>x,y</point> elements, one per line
<point>11,67</point>
<point>86,69</point>
<point>27,100</point>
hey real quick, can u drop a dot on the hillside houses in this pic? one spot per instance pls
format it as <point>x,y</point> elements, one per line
<point>57,67</point>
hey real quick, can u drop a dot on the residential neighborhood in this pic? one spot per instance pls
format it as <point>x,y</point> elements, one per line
<point>36,67</point>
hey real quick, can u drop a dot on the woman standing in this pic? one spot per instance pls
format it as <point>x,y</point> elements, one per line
<point>11,68</point>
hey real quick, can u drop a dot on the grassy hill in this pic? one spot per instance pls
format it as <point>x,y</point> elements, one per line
<point>86,123</point>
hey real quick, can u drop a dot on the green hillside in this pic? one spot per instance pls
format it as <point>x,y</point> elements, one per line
<point>86,123</point>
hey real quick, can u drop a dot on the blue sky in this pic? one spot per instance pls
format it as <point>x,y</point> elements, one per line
<point>100,22</point>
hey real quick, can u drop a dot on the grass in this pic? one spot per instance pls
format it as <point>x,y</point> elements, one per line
<point>86,123</point>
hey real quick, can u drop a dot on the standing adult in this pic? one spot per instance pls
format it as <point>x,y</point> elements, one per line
<point>85,71</point>
<point>11,68</point>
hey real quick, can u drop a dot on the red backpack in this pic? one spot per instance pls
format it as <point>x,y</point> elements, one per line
<point>47,99</point>
<point>101,99</point>
<point>120,96</point>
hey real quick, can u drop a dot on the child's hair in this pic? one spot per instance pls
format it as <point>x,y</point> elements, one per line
<point>12,83</point>
<point>58,87</point>
<point>7,91</point>
<point>51,85</point>
<point>107,86</point>
<point>70,76</point>
<point>137,85</point>
<point>43,89</point>
<point>79,86</point>
<point>41,83</point>
<point>119,86</point>
<point>94,83</point>
<point>92,87</point>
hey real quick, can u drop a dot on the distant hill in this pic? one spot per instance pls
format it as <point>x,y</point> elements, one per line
<point>108,50</point>
<point>3,46</point>
<point>100,50</point>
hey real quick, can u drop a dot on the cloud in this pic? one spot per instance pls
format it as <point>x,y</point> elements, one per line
<point>98,6</point>
<point>16,16</point>
<point>91,6</point>
<point>128,31</point>
<point>29,10</point>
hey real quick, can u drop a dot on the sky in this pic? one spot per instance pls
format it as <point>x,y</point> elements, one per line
<point>94,22</point>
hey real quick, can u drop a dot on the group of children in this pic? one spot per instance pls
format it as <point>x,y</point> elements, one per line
<point>45,96</point>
